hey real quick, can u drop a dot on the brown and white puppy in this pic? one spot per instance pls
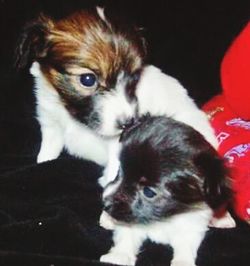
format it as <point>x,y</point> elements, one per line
<point>90,81</point>
<point>168,182</point>
<point>80,64</point>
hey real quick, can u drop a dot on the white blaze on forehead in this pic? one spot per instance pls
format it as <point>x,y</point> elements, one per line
<point>114,106</point>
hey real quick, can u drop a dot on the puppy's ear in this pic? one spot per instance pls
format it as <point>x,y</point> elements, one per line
<point>216,186</point>
<point>33,42</point>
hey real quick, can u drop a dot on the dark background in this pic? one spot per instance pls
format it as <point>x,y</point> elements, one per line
<point>49,212</point>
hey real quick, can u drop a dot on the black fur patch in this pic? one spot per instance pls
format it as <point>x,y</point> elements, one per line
<point>80,107</point>
<point>173,160</point>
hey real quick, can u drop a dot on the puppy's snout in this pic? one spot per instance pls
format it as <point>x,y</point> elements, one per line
<point>121,197</point>
<point>114,201</point>
<point>125,123</point>
<point>118,206</point>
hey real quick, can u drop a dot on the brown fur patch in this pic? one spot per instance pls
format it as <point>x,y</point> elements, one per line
<point>84,40</point>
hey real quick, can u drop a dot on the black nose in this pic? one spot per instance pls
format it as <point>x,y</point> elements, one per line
<point>125,123</point>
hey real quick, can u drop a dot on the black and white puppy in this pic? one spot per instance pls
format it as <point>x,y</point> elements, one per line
<point>91,79</point>
<point>168,182</point>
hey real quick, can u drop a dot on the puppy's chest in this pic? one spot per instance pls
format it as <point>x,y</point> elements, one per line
<point>183,225</point>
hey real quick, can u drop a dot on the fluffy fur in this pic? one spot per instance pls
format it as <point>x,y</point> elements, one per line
<point>167,183</point>
<point>81,66</point>
<point>91,80</point>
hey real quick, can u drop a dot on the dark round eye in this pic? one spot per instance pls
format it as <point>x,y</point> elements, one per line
<point>148,192</point>
<point>88,80</point>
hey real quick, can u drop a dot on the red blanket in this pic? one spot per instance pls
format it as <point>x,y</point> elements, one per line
<point>230,116</point>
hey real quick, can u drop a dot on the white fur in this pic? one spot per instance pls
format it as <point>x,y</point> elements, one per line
<point>184,232</point>
<point>160,94</point>
<point>59,129</point>
<point>101,14</point>
<point>225,221</point>
<point>114,106</point>
<point>112,167</point>
<point>106,221</point>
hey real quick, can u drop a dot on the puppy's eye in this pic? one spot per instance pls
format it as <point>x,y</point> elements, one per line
<point>88,80</point>
<point>149,192</point>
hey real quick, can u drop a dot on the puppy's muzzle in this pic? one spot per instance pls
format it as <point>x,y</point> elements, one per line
<point>117,206</point>
<point>125,123</point>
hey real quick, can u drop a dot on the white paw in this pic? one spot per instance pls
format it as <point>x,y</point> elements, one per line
<point>48,153</point>
<point>118,258</point>
<point>182,263</point>
<point>103,181</point>
<point>106,221</point>
<point>225,221</point>
<point>41,158</point>
<point>45,157</point>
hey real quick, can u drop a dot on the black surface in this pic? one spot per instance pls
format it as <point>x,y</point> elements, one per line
<point>49,212</point>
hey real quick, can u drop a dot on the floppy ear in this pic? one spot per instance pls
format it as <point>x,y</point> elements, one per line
<point>32,43</point>
<point>216,187</point>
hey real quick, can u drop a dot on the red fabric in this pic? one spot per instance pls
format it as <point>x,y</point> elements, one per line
<point>233,134</point>
<point>230,118</point>
<point>235,74</point>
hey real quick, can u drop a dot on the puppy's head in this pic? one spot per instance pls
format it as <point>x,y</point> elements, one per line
<point>166,167</point>
<point>91,63</point>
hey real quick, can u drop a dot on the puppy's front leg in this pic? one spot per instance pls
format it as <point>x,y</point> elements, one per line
<point>106,221</point>
<point>112,167</point>
<point>185,248</point>
<point>127,242</point>
<point>183,257</point>
<point>51,145</point>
